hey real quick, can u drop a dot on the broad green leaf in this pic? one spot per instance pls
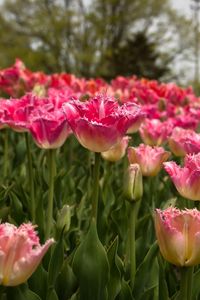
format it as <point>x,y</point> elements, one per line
<point>91,266</point>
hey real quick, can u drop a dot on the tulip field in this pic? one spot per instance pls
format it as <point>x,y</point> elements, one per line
<point>99,188</point>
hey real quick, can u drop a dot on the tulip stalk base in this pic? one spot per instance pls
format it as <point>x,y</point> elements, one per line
<point>30,176</point>
<point>186,283</point>
<point>95,193</point>
<point>52,171</point>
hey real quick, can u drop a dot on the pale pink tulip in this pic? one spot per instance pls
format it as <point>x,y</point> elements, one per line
<point>149,158</point>
<point>187,178</point>
<point>184,141</point>
<point>178,234</point>
<point>116,152</point>
<point>20,253</point>
<point>154,132</point>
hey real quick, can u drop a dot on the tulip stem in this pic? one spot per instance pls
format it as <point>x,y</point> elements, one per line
<point>5,159</point>
<point>132,227</point>
<point>95,194</point>
<point>52,169</point>
<point>186,283</point>
<point>30,176</point>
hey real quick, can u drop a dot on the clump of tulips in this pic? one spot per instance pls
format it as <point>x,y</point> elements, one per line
<point>109,175</point>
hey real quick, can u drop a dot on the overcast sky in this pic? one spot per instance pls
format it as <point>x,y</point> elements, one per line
<point>184,6</point>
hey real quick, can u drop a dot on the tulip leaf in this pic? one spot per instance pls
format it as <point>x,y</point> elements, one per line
<point>38,282</point>
<point>52,295</point>
<point>196,285</point>
<point>67,283</point>
<point>147,273</point>
<point>114,284</point>
<point>16,208</point>
<point>21,293</point>
<point>125,293</point>
<point>91,267</point>
<point>163,289</point>
<point>56,262</point>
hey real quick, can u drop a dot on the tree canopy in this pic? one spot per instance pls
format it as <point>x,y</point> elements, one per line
<point>90,38</point>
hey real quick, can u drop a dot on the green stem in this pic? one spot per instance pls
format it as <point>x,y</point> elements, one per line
<point>5,159</point>
<point>132,227</point>
<point>95,194</point>
<point>30,176</point>
<point>186,283</point>
<point>52,169</point>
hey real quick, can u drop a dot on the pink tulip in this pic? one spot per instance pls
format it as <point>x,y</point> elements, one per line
<point>48,128</point>
<point>101,123</point>
<point>20,253</point>
<point>116,152</point>
<point>149,158</point>
<point>184,141</point>
<point>154,132</point>
<point>178,234</point>
<point>187,178</point>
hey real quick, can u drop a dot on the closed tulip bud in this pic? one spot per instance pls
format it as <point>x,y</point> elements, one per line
<point>64,218</point>
<point>133,186</point>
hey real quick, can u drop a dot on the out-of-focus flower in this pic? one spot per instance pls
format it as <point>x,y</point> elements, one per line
<point>184,141</point>
<point>133,183</point>
<point>154,132</point>
<point>101,123</point>
<point>49,128</point>
<point>117,151</point>
<point>20,253</point>
<point>187,178</point>
<point>178,234</point>
<point>149,158</point>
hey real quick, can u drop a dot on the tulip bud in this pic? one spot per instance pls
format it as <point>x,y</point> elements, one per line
<point>133,187</point>
<point>64,218</point>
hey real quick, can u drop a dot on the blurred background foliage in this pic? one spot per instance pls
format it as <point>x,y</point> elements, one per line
<point>93,38</point>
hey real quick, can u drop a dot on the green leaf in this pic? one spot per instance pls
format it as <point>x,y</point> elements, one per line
<point>38,282</point>
<point>21,293</point>
<point>91,266</point>
<point>114,284</point>
<point>52,295</point>
<point>125,293</point>
<point>163,289</point>
<point>56,262</point>
<point>16,208</point>
<point>147,273</point>
<point>67,283</point>
<point>196,285</point>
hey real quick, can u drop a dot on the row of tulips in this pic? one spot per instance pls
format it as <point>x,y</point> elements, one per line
<point>98,208</point>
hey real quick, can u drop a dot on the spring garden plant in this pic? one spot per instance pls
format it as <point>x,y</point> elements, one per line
<point>99,191</point>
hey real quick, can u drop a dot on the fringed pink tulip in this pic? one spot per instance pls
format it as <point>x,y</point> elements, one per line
<point>187,178</point>
<point>184,141</point>
<point>116,152</point>
<point>149,158</point>
<point>178,234</point>
<point>154,132</point>
<point>101,123</point>
<point>49,129</point>
<point>20,253</point>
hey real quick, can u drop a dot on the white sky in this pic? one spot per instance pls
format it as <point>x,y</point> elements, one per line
<point>183,6</point>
